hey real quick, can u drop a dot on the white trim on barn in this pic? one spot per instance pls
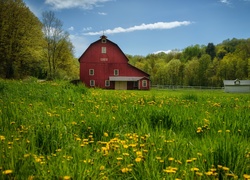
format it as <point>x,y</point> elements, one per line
<point>237,85</point>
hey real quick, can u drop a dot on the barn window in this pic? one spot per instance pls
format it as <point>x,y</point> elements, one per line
<point>116,72</point>
<point>144,83</point>
<point>107,83</point>
<point>92,83</point>
<point>91,72</point>
<point>104,41</point>
<point>104,50</point>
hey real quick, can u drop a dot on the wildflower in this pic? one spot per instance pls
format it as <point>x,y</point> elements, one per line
<point>219,131</point>
<point>139,153</point>
<point>102,168</point>
<point>125,154</point>
<point>178,161</point>
<point>170,170</point>
<point>2,138</point>
<point>230,175</point>
<point>225,168</point>
<point>8,171</point>
<point>66,177</point>
<point>209,173</point>
<point>125,170</point>
<point>119,158</point>
<point>199,130</point>
<point>246,176</point>
<point>219,166</point>
<point>199,154</point>
<point>106,134</point>
<point>213,169</point>
<point>198,173</point>
<point>195,169</point>
<point>171,159</point>
<point>189,160</point>
<point>138,159</point>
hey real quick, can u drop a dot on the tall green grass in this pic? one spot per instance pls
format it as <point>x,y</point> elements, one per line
<point>55,130</point>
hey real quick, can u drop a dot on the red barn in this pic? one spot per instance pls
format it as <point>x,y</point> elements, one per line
<point>104,65</point>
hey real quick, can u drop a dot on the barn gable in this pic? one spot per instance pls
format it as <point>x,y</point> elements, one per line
<point>104,65</point>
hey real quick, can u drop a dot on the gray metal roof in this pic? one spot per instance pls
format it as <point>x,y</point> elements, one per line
<point>124,78</point>
<point>236,82</point>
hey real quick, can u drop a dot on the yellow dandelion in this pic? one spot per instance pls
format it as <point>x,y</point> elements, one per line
<point>66,177</point>
<point>246,176</point>
<point>124,170</point>
<point>219,131</point>
<point>125,146</point>
<point>198,173</point>
<point>102,168</point>
<point>225,168</point>
<point>106,134</point>
<point>209,173</point>
<point>139,153</point>
<point>8,171</point>
<point>170,171</point>
<point>158,158</point>
<point>189,160</point>
<point>119,158</point>
<point>138,159</point>
<point>230,175</point>
<point>2,138</point>
<point>219,166</point>
<point>195,169</point>
<point>228,131</point>
<point>171,159</point>
<point>125,154</point>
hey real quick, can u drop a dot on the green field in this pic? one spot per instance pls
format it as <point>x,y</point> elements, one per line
<point>55,130</point>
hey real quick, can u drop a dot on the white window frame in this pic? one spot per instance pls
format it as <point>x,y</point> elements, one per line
<point>104,40</point>
<point>144,83</point>
<point>116,72</point>
<point>92,83</point>
<point>107,83</point>
<point>91,72</point>
<point>104,50</point>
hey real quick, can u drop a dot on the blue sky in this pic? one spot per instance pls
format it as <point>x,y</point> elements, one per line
<point>142,27</point>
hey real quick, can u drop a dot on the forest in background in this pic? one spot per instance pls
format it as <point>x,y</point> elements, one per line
<point>198,65</point>
<point>42,49</point>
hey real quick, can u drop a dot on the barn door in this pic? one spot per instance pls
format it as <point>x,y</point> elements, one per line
<point>121,85</point>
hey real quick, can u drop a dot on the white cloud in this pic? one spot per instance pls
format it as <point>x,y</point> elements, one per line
<point>66,4</point>
<point>162,51</point>
<point>225,1</point>
<point>80,44</point>
<point>167,51</point>
<point>71,28</point>
<point>102,13</point>
<point>87,29</point>
<point>158,25</point>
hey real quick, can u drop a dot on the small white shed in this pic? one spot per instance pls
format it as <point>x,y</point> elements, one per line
<point>242,86</point>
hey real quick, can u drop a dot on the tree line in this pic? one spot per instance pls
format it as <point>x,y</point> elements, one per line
<point>30,47</point>
<point>198,65</point>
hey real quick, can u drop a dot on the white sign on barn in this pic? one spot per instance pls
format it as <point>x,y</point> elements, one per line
<point>237,85</point>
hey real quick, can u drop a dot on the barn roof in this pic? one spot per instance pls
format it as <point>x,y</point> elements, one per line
<point>99,40</point>
<point>125,78</point>
<point>236,82</point>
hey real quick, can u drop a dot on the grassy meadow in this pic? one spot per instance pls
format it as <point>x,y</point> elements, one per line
<point>55,130</point>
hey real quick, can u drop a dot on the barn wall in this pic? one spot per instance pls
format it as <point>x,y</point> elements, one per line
<point>104,64</point>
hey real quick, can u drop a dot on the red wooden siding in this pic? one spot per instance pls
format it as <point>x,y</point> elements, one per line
<point>105,64</point>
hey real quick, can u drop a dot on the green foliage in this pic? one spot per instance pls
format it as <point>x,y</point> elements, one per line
<point>56,130</point>
<point>200,65</point>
